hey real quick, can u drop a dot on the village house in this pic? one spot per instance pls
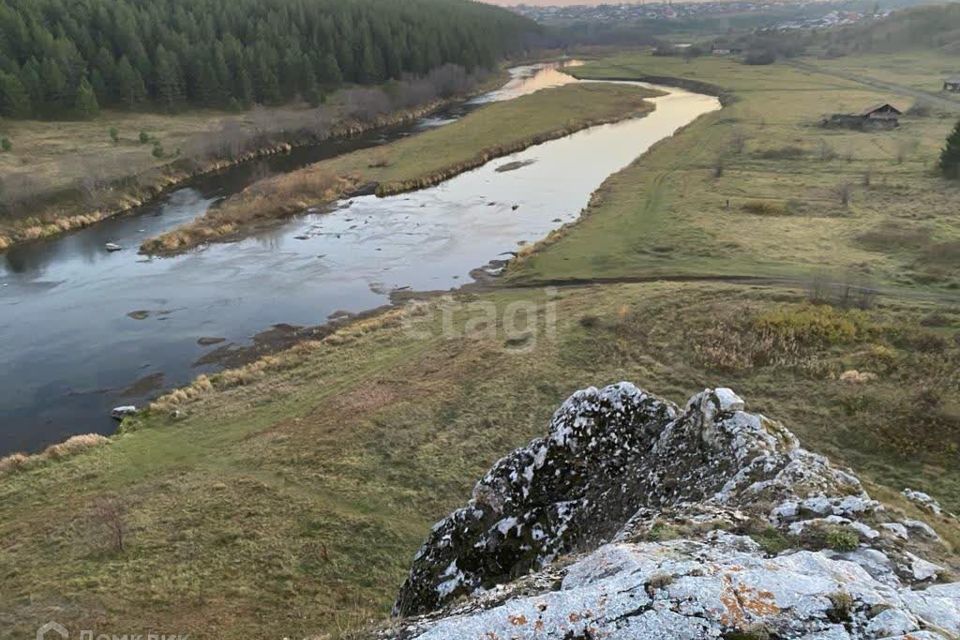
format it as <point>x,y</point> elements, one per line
<point>952,84</point>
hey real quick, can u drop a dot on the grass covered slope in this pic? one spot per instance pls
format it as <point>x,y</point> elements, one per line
<point>414,162</point>
<point>288,498</point>
<point>759,188</point>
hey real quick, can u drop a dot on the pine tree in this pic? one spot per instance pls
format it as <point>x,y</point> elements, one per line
<point>85,104</point>
<point>950,156</point>
<point>14,101</point>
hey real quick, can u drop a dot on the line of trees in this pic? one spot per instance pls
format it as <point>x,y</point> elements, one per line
<point>68,58</point>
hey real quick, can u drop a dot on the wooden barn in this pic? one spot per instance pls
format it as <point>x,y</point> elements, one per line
<point>879,116</point>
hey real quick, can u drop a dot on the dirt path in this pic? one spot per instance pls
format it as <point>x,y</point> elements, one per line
<point>883,85</point>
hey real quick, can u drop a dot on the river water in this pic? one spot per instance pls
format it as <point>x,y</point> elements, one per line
<point>79,326</point>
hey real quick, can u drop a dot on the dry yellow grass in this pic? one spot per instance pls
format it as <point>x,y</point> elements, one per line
<point>66,449</point>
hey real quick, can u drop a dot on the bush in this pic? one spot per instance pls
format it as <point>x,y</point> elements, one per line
<point>842,540</point>
<point>144,137</point>
<point>765,209</point>
<point>891,236</point>
<point>6,144</point>
<point>920,109</point>
<point>114,135</point>
<point>810,325</point>
<point>781,153</point>
<point>841,607</point>
<point>760,57</point>
<point>157,150</point>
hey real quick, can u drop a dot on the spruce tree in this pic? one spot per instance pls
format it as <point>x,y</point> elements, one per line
<point>129,83</point>
<point>54,85</point>
<point>14,101</point>
<point>330,74</point>
<point>950,156</point>
<point>168,90</point>
<point>85,104</point>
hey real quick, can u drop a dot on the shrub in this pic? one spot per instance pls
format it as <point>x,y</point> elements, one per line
<point>841,607</point>
<point>765,209</point>
<point>920,109</point>
<point>108,515</point>
<point>842,540</point>
<point>891,235</point>
<point>771,540</point>
<point>114,135</point>
<point>810,325</point>
<point>6,144</point>
<point>144,137</point>
<point>826,152</point>
<point>760,57</point>
<point>157,150</point>
<point>789,152</point>
<point>843,191</point>
<point>659,581</point>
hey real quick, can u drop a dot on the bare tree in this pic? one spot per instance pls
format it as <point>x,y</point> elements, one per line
<point>826,151</point>
<point>844,191</point>
<point>903,149</point>
<point>738,142</point>
<point>109,515</point>
<point>719,164</point>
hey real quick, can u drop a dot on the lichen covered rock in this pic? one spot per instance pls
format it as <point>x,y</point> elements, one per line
<point>634,518</point>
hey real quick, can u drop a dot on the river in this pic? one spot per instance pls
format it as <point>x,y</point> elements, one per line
<point>83,330</point>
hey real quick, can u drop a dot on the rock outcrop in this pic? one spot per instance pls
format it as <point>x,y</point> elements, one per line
<point>635,518</point>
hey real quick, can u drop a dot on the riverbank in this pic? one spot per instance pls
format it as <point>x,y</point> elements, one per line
<point>57,184</point>
<point>414,163</point>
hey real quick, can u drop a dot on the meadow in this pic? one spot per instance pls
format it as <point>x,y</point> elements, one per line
<point>760,189</point>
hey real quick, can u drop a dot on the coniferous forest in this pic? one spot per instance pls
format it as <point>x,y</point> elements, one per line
<point>69,58</point>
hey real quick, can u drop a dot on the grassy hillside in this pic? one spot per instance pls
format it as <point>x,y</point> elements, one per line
<point>931,27</point>
<point>287,498</point>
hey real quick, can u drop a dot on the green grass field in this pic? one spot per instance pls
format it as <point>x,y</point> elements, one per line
<point>287,498</point>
